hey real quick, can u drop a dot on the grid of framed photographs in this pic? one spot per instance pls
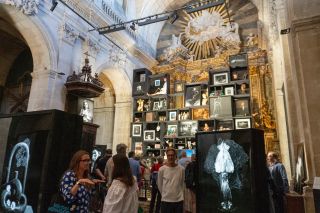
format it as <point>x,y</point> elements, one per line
<point>167,116</point>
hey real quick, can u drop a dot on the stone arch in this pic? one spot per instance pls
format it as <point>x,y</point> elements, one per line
<point>38,40</point>
<point>113,108</point>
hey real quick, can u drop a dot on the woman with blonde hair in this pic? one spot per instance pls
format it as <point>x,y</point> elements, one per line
<point>123,193</point>
<point>75,185</point>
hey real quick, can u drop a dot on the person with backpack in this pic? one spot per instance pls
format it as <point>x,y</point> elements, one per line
<point>190,190</point>
<point>155,193</point>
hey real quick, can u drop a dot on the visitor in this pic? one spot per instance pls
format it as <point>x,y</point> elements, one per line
<point>280,180</point>
<point>190,191</point>
<point>76,185</point>
<point>101,165</point>
<point>135,166</point>
<point>184,160</point>
<point>171,183</point>
<point>123,193</point>
<point>120,149</point>
<point>155,193</point>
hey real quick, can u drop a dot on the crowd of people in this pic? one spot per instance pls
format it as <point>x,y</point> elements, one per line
<point>172,182</point>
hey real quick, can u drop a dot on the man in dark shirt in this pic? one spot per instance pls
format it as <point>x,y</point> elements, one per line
<point>101,164</point>
<point>280,180</point>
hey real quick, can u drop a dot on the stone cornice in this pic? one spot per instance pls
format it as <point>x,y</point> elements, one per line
<point>305,23</point>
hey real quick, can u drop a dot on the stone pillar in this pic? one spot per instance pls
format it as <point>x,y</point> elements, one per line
<point>46,91</point>
<point>104,117</point>
<point>122,119</point>
<point>276,11</point>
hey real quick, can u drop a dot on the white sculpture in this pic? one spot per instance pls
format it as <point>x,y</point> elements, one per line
<point>209,26</point>
<point>86,112</point>
<point>223,166</point>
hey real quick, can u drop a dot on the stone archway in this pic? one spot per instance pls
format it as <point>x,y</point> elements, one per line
<point>113,108</point>
<point>33,32</point>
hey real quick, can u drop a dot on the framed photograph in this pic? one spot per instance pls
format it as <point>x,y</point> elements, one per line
<point>138,148</point>
<point>193,96</point>
<point>200,113</point>
<point>220,78</point>
<point>156,105</point>
<point>85,109</point>
<point>157,82</point>
<point>172,116</point>
<point>178,87</point>
<point>172,130</point>
<point>142,77</point>
<point>220,106</point>
<point>188,128</point>
<point>242,107</point>
<point>149,135</point>
<point>244,123</point>
<point>228,91</point>
<point>162,104</point>
<point>136,130</point>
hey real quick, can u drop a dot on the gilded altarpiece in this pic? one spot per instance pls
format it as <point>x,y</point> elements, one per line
<point>188,71</point>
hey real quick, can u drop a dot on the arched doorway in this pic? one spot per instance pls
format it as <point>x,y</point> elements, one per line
<point>25,48</point>
<point>112,109</point>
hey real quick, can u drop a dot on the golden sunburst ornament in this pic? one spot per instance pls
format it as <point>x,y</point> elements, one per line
<point>208,32</point>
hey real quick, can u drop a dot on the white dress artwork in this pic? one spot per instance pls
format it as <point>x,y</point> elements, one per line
<point>224,165</point>
<point>223,161</point>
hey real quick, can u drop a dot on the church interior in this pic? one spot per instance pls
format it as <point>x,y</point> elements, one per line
<point>157,74</point>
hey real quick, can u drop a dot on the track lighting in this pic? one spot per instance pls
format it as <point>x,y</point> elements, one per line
<point>54,5</point>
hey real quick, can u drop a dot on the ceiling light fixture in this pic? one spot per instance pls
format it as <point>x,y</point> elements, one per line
<point>133,26</point>
<point>200,6</point>
<point>174,16</point>
<point>191,8</point>
<point>54,5</point>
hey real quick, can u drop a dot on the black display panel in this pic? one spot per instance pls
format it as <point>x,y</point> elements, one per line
<point>38,150</point>
<point>232,173</point>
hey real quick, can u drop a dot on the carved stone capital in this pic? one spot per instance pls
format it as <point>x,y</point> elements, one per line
<point>93,48</point>
<point>28,7</point>
<point>67,33</point>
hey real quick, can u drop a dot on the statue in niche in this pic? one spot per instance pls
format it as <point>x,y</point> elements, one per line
<point>251,40</point>
<point>86,112</point>
<point>140,105</point>
<point>226,162</point>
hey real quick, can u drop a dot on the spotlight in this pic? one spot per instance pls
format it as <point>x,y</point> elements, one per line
<point>54,5</point>
<point>151,21</point>
<point>133,26</point>
<point>190,9</point>
<point>111,29</point>
<point>174,17</point>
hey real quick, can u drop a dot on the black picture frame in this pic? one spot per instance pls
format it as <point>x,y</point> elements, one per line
<point>172,115</point>
<point>193,96</point>
<point>172,130</point>
<point>242,107</point>
<point>178,87</point>
<point>136,130</point>
<point>242,123</point>
<point>220,78</point>
<point>220,106</point>
<point>188,128</point>
<point>149,135</point>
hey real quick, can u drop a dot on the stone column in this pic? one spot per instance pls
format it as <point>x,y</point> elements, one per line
<point>122,119</point>
<point>46,91</point>
<point>104,117</point>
